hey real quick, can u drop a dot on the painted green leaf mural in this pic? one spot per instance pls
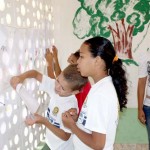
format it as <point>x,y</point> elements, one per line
<point>121,19</point>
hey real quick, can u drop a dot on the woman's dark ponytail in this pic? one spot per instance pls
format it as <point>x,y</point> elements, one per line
<point>100,46</point>
<point>118,75</point>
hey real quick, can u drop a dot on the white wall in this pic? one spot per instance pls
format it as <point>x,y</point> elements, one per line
<point>25,30</point>
<point>67,42</point>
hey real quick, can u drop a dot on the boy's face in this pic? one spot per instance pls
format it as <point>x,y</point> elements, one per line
<point>62,87</point>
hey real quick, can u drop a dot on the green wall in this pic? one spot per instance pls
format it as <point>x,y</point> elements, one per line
<point>130,130</point>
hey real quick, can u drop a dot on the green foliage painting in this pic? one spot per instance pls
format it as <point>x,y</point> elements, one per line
<point>121,19</point>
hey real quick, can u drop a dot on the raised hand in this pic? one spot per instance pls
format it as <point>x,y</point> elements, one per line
<point>55,52</point>
<point>48,56</point>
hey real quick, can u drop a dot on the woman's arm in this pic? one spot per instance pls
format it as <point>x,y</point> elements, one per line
<point>94,140</point>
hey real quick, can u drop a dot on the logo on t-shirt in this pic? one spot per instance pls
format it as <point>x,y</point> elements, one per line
<point>55,111</point>
<point>82,118</point>
<point>85,103</point>
<point>51,119</point>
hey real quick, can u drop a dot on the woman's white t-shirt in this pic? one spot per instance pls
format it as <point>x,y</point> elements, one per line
<point>99,113</point>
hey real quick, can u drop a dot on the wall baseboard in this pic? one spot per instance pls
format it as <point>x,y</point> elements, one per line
<point>131,147</point>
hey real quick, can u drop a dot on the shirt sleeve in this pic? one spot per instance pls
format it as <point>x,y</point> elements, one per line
<point>142,70</point>
<point>47,85</point>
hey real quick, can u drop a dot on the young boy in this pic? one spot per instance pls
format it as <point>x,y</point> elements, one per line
<point>52,58</point>
<point>61,91</point>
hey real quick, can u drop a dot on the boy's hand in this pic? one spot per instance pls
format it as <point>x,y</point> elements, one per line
<point>55,52</point>
<point>73,113</point>
<point>48,56</point>
<point>14,81</point>
<point>32,119</point>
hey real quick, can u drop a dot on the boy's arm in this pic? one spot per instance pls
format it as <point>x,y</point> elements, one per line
<point>141,93</point>
<point>57,131</point>
<point>49,59</point>
<point>42,120</point>
<point>29,74</point>
<point>57,68</point>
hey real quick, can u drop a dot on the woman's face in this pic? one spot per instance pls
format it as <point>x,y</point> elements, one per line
<point>85,62</point>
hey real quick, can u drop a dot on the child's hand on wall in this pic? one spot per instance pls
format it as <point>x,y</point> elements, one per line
<point>48,56</point>
<point>14,81</point>
<point>55,52</point>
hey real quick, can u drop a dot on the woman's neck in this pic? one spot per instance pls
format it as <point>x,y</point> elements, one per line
<point>99,76</point>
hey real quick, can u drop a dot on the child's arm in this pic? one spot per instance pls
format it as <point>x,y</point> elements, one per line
<point>49,59</point>
<point>57,68</point>
<point>94,140</point>
<point>29,74</point>
<point>42,120</point>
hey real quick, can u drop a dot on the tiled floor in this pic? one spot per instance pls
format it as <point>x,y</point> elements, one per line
<point>131,147</point>
<point>116,147</point>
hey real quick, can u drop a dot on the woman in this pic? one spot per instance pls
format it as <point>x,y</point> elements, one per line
<point>98,120</point>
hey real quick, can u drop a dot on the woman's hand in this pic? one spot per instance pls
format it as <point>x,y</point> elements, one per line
<point>68,120</point>
<point>73,113</point>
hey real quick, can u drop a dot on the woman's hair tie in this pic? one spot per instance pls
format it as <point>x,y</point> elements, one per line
<point>115,59</point>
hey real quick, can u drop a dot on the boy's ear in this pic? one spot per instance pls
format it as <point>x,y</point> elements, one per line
<point>75,92</point>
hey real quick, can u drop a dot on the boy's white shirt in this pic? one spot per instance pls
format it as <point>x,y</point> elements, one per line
<point>99,114</point>
<point>63,104</point>
<point>144,66</point>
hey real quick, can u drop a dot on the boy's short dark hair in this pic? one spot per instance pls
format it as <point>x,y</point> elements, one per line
<point>77,54</point>
<point>73,76</point>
